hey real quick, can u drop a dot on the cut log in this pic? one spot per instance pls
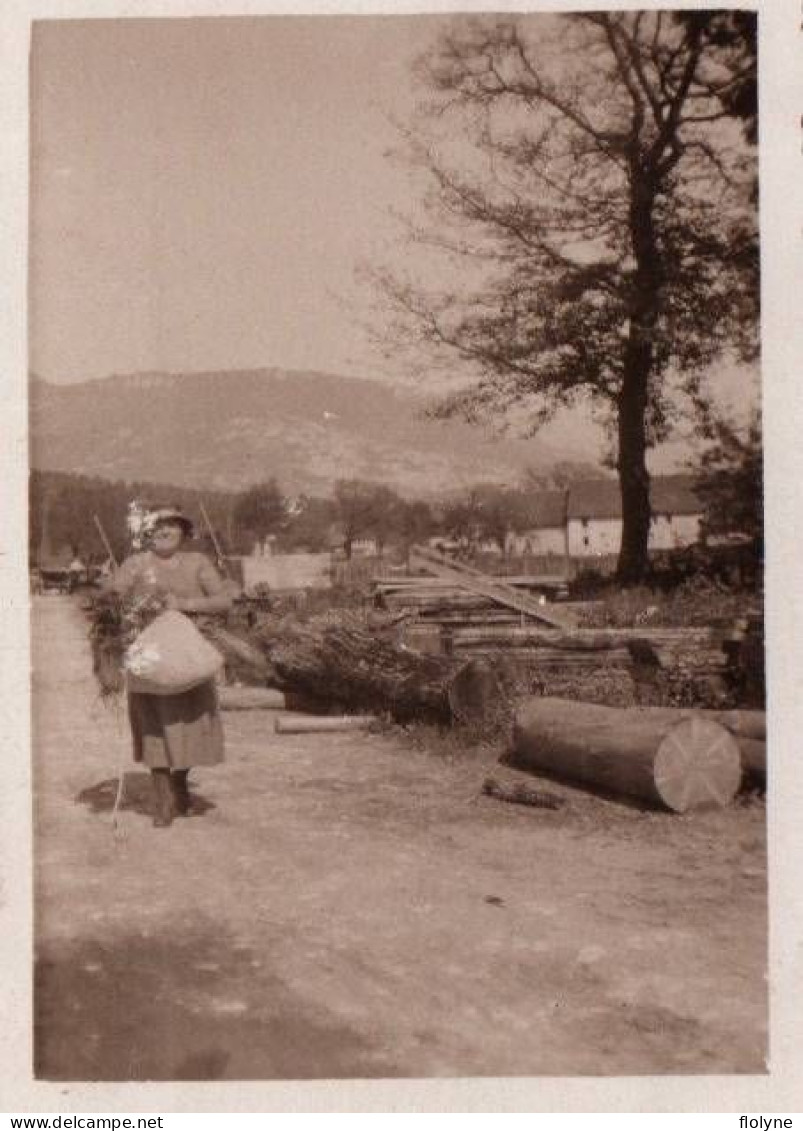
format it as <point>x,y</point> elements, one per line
<point>754,756</point>
<point>234,647</point>
<point>661,758</point>
<point>251,699</point>
<point>318,724</point>
<point>698,765</point>
<point>748,727</point>
<point>475,693</point>
<point>744,724</point>
<point>357,669</point>
<point>750,724</point>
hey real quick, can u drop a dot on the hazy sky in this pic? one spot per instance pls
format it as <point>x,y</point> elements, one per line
<point>202,189</point>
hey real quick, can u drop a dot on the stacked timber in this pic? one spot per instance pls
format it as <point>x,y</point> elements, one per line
<point>511,594</point>
<point>436,601</point>
<point>481,617</point>
<point>696,652</point>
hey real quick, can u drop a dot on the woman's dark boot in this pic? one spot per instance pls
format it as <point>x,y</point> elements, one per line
<point>162,799</point>
<point>181,792</point>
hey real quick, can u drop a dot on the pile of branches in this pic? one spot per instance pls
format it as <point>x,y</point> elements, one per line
<point>114,624</point>
<point>347,661</point>
<point>357,662</point>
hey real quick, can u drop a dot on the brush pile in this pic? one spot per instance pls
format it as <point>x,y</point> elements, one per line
<point>114,624</point>
<point>347,662</point>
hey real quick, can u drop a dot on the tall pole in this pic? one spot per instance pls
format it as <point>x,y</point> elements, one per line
<point>45,548</point>
<point>221,561</point>
<point>105,541</point>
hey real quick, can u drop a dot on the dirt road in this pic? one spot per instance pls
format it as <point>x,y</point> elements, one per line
<point>348,906</point>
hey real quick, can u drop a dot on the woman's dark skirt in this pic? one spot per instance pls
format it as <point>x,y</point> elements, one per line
<point>177,731</point>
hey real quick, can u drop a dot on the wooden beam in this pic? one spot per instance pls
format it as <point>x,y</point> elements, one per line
<point>251,699</point>
<point>473,580</point>
<point>322,724</point>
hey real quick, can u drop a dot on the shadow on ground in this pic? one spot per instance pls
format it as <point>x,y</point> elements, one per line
<point>137,796</point>
<point>140,1008</point>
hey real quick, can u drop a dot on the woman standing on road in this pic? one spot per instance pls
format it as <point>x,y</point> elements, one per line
<point>172,733</point>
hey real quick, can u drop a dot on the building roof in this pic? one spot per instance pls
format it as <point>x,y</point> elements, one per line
<point>546,510</point>
<point>675,494</point>
<point>600,498</point>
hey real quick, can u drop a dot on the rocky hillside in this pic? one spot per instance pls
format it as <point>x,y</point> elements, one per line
<point>226,430</point>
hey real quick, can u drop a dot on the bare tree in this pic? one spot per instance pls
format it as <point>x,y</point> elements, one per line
<point>589,183</point>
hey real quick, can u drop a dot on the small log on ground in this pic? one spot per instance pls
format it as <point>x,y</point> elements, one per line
<point>322,724</point>
<point>251,699</point>
<point>235,648</point>
<point>520,793</point>
<point>661,758</point>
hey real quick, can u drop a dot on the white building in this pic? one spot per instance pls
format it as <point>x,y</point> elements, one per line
<point>545,533</point>
<point>594,516</point>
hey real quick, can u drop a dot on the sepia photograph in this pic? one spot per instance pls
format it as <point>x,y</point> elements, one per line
<point>396,547</point>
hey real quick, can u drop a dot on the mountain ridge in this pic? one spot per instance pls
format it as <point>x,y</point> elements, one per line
<point>227,429</point>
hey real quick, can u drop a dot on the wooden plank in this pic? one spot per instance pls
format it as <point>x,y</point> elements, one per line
<point>519,581</point>
<point>322,724</point>
<point>251,699</point>
<point>598,639</point>
<point>476,582</point>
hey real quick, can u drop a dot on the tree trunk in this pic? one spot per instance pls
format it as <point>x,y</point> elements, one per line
<point>657,757</point>
<point>634,485</point>
<point>639,358</point>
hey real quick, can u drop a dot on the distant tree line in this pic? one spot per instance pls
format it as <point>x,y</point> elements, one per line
<point>65,509</point>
